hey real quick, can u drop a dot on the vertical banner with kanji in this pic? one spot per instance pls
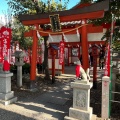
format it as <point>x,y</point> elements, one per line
<point>1,49</point>
<point>5,41</point>
<point>107,62</point>
<point>61,53</point>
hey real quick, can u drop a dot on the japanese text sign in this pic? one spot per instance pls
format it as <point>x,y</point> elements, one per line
<point>107,62</point>
<point>61,54</point>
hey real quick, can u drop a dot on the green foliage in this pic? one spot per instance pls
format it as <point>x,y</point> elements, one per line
<point>35,6</point>
<point>18,34</point>
<point>13,69</point>
<point>26,68</point>
<point>30,7</point>
<point>116,45</point>
<point>115,38</point>
<point>114,10</point>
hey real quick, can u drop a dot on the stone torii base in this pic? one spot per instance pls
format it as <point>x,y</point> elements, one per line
<point>81,102</point>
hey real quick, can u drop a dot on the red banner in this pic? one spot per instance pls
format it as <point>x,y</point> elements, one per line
<point>107,62</point>
<point>1,51</point>
<point>61,54</point>
<point>5,38</point>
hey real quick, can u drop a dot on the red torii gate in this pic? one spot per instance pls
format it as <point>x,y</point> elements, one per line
<point>93,11</point>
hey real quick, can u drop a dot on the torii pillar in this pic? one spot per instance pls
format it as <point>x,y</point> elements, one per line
<point>34,58</point>
<point>84,43</point>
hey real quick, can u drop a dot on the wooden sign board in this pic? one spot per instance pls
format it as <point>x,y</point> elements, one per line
<point>55,23</point>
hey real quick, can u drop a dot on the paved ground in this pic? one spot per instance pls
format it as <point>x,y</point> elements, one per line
<point>50,102</point>
<point>51,105</point>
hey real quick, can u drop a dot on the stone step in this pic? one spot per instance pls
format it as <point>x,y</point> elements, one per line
<point>7,102</point>
<point>7,96</point>
<point>69,118</point>
<point>98,118</point>
<point>94,117</point>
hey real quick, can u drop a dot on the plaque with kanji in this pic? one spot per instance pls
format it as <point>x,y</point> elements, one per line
<point>55,23</point>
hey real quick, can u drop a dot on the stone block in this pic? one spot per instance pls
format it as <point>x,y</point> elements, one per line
<point>80,114</point>
<point>81,85</point>
<point>80,99</point>
<point>81,95</point>
<point>69,118</point>
<point>94,117</point>
<point>7,96</point>
<point>5,82</point>
<point>7,102</point>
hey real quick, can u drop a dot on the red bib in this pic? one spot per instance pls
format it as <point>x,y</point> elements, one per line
<point>6,66</point>
<point>77,70</point>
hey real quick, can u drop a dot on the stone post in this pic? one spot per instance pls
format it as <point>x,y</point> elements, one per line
<point>19,76</point>
<point>105,97</point>
<point>114,73</point>
<point>81,109</point>
<point>6,95</point>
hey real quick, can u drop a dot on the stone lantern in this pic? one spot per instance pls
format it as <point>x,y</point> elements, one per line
<point>19,62</point>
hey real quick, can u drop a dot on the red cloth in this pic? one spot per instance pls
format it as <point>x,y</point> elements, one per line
<point>6,66</point>
<point>77,70</point>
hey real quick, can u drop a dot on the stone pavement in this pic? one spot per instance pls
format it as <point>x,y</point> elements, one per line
<point>51,105</point>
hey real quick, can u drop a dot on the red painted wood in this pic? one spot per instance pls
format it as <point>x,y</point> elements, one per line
<point>34,56</point>
<point>81,5</point>
<point>84,43</point>
<point>93,15</point>
<point>90,29</point>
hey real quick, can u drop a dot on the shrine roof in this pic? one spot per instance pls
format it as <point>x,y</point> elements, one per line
<point>20,54</point>
<point>66,15</point>
<point>54,46</point>
<point>79,5</point>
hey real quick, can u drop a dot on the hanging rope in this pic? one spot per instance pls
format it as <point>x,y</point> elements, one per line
<point>63,32</point>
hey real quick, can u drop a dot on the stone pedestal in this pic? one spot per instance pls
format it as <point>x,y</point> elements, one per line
<point>81,101</point>
<point>6,95</point>
<point>105,97</point>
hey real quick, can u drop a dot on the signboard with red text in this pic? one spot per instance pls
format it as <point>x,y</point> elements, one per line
<point>61,54</point>
<point>5,38</point>
<point>1,49</point>
<point>107,62</point>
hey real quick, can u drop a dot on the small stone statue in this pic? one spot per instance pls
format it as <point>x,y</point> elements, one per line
<point>88,73</point>
<point>6,65</point>
<point>80,72</point>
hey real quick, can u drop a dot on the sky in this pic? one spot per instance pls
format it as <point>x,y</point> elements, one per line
<point>4,6</point>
